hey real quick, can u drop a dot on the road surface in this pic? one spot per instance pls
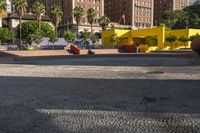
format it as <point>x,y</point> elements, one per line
<point>100,95</point>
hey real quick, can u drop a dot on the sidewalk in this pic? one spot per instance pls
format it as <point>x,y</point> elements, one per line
<point>54,54</point>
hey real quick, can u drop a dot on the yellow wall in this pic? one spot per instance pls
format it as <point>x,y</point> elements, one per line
<point>125,36</point>
<point>158,31</point>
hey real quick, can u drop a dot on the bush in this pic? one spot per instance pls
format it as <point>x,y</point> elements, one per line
<point>70,36</point>
<point>85,34</point>
<point>171,39</point>
<point>184,40</point>
<point>35,37</point>
<point>194,36</point>
<point>6,35</point>
<point>53,37</point>
<point>30,31</point>
<point>94,38</point>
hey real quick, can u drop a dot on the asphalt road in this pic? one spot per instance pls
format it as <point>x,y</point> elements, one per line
<point>100,95</point>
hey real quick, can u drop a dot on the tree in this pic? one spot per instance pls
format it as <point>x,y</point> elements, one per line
<point>189,17</point>
<point>85,35</point>
<point>168,18</point>
<point>38,9</point>
<point>30,31</point>
<point>184,40</point>
<point>57,15</point>
<point>91,13</point>
<point>171,39</point>
<point>94,38</point>
<point>3,7</point>
<point>104,22</point>
<point>113,39</point>
<point>78,13</point>
<point>20,8</point>
<point>194,15</point>
<point>195,36</point>
<point>151,40</point>
<point>70,36</point>
<point>34,37</point>
<point>6,35</point>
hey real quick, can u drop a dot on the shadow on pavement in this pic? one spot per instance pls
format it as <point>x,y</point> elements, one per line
<point>113,61</point>
<point>22,98</point>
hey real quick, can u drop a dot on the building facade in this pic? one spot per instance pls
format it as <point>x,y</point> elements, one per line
<point>67,6</point>
<point>160,6</point>
<point>137,13</point>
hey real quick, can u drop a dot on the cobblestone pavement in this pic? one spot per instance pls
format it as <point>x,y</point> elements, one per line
<point>104,95</point>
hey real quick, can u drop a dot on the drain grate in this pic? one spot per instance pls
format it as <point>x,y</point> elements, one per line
<point>155,72</point>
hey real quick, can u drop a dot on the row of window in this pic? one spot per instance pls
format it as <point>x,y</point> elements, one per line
<point>85,21</point>
<point>90,1</point>
<point>142,25</point>
<point>137,19</point>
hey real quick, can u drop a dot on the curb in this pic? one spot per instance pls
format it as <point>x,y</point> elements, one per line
<point>172,55</point>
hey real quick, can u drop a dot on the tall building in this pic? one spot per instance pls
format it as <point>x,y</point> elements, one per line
<point>160,6</point>
<point>67,7</point>
<point>137,13</point>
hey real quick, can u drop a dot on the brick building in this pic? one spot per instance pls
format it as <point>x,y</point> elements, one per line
<point>160,6</point>
<point>67,7</point>
<point>137,13</point>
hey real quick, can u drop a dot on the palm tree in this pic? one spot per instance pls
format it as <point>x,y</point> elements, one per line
<point>78,13</point>
<point>38,9</point>
<point>57,15</point>
<point>3,7</point>
<point>104,22</point>
<point>91,13</point>
<point>20,9</point>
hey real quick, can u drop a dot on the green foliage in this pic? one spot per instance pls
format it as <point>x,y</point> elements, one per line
<point>46,29</point>
<point>57,15</point>
<point>34,37</point>
<point>94,38</point>
<point>85,34</point>
<point>104,22</point>
<point>70,36</point>
<point>98,34</point>
<point>187,18</point>
<point>20,6</point>
<point>114,39</point>
<point>194,36</point>
<point>3,7</point>
<point>30,32</point>
<point>184,40</point>
<point>6,35</point>
<point>53,37</point>
<point>38,9</point>
<point>91,13</point>
<point>171,39</point>
<point>78,13</point>
<point>151,40</point>
<point>20,9</point>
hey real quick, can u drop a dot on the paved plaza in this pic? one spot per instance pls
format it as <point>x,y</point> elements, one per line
<point>100,95</point>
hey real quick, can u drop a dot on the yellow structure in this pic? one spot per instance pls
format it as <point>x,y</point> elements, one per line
<point>138,37</point>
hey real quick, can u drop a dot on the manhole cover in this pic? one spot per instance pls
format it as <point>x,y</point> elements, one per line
<point>155,72</point>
